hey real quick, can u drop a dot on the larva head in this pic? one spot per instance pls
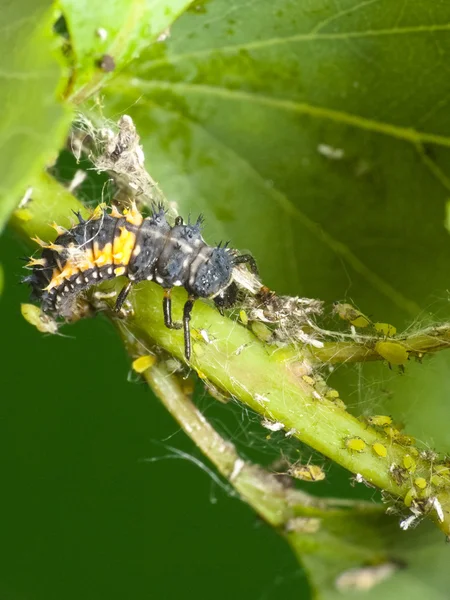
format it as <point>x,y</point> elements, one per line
<point>227,297</point>
<point>213,275</point>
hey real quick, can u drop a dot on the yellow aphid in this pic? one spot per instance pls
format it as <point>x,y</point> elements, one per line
<point>392,432</point>
<point>307,472</point>
<point>143,363</point>
<point>438,480</point>
<point>196,335</point>
<point>243,317</point>
<point>261,331</point>
<point>198,349</point>
<point>43,323</point>
<point>23,214</point>
<point>349,313</point>
<point>307,379</point>
<point>409,497</point>
<point>394,352</point>
<point>405,440</point>
<point>385,328</point>
<point>339,403</point>
<point>409,463</point>
<point>379,449</point>
<point>355,444</point>
<point>420,482</point>
<point>332,394</point>
<point>379,420</point>
<point>442,470</point>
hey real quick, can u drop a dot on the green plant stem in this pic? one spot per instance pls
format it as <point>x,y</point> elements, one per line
<point>269,380</point>
<point>314,527</point>
<point>425,341</point>
<point>236,362</point>
<point>257,487</point>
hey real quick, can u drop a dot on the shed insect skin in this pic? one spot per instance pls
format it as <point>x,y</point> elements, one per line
<point>112,244</point>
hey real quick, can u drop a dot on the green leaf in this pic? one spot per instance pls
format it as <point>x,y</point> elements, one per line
<point>32,122</point>
<point>318,138</point>
<point>416,560</point>
<point>308,114</point>
<point>105,36</point>
<point>50,202</point>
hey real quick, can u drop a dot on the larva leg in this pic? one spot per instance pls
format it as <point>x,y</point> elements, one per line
<point>248,259</point>
<point>167,310</point>
<point>122,296</point>
<point>186,327</point>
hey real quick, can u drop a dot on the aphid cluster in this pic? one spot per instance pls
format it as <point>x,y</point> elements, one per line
<point>110,245</point>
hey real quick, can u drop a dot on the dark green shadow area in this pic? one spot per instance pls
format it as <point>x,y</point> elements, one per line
<point>83,515</point>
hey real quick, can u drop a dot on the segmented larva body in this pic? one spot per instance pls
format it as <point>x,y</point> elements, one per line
<point>110,245</point>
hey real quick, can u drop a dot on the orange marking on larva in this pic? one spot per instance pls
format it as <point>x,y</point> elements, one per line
<point>102,256</point>
<point>40,242</point>
<point>56,247</point>
<point>36,262</point>
<point>86,261</point>
<point>68,271</point>
<point>54,281</point>
<point>115,213</point>
<point>98,211</point>
<point>123,246</point>
<point>133,216</point>
<point>59,230</point>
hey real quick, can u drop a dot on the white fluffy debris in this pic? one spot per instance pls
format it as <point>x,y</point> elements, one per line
<point>330,152</point>
<point>405,524</point>
<point>77,180</point>
<point>117,151</point>
<point>290,432</point>
<point>291,317</point>
<point>438,508</point>
<point>26,197</point>
<point>164,35</point>
<point>101,33</point>
<point>272,425</point>
<point>303,525</point>
<point>237,468</point>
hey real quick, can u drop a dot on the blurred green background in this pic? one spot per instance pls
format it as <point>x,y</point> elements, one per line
<point>240,111</point>
<point>83,516</point>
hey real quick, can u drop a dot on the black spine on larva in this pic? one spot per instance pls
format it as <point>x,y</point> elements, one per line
<point>73,243</point>
<point>173,256</point>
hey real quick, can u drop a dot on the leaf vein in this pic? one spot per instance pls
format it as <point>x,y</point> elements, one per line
<point>297,38</point>
<point>408,134</point>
